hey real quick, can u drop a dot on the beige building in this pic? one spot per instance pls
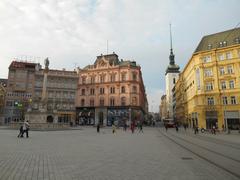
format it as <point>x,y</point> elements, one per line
<point>54,94</point>
<point>111,91</point>
<point>209,86</point>
<point>20,89</point>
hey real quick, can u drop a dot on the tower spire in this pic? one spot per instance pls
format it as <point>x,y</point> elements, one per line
<point>171,56</point>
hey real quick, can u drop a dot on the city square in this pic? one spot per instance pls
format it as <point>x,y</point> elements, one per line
<point>119,90</point>
<point>85,154</point>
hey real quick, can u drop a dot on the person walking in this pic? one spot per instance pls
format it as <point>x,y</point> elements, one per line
<point>214,130</point>
<point>20,131</point>
<point>140,128</point>
<point>26,128</point>
<point>176,128</point>
<point>125,126</point>
<point>113,128</point>
<point>98,127</point>
<point>166,127</point>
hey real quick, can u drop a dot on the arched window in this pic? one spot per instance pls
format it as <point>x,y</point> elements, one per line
<point>134,101</point>
<point>112,101</point>
<point>82,102</point>
<point>134,89</point>
<point>112,90</point>
<point>83,92</point>
<point>123,89</point>
<point>101,102</point>
<point>91,102</point>
<point>123,101</point>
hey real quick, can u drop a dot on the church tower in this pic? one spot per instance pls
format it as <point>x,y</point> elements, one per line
<point>171,77</point>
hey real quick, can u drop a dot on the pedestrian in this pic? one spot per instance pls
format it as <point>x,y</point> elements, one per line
<point>20,131</point>
<point>113,128</point>
<point>26,128</point>
<point>125,126</point>
<point>140,128</point>
<point>166,127</point>
<point>196,130</point>
<point>185,127</point>
<point>223,129</point>
<point>214,130</point>
<point>176,128</point>
<point>132,127</point>
<point>98,127</point>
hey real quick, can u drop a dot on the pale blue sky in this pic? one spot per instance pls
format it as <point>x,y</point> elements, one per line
<point>76,31</point>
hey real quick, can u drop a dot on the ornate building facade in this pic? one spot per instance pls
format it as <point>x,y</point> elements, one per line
<point>110,91</point>
<point>209,86</point>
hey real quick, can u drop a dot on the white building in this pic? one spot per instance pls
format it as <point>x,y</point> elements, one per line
<point>171,77</point>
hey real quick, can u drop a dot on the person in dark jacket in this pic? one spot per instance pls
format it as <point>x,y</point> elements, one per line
<point>98,127</point>
<point>20,131</point>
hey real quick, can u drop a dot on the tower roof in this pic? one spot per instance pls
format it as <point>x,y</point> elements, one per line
<point>172,67</point>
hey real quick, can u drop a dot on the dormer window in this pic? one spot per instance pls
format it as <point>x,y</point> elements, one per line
<point>237,40</point>
<point>209,46</point>
<point>224,43</point>
<point>220,44</point>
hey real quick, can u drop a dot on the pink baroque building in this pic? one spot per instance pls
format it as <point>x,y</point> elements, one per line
<point>110,91</point>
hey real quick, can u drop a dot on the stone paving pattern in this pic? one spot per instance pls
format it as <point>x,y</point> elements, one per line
<point>84,154</point>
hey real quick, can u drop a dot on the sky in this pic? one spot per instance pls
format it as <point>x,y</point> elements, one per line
<point>73,32</point>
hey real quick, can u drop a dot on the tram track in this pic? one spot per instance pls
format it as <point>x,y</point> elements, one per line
<point>226,163</point>
<point>218,141</point>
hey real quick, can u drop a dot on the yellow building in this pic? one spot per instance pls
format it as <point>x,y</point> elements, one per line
<point>208,89</point>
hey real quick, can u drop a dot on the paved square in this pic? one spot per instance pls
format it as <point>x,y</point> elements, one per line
<point>84,154</point>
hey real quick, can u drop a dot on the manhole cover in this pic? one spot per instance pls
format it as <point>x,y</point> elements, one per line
<point>187,158</point>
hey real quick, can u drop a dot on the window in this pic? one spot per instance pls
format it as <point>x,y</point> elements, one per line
<point>123,101</point>
<point>224,100</point>
<point>224,43</point>
<point>112,90</point>
<point>82,102</point>
<point>84,80</point>
<point>92,79</point>
<point>92,91</point>
<point>208,72</point>
<point>231,84</point>
<point>123,89</point>
<point>102,78</point>
<point>221,70</point>
<point>112,77</point>
<point>210,101</point>
<point>220,57</point>
<point>209,86</point>
<point>91,102</point>
<point>220,44</point>
<point>233,100</point>
<point>174,80</point>
<point>112,101</point>
<point>230,70</point>
<point>101,90</point>
<point>223,85</point>
<point>134,101</point>
<point>101,103</point>
<point>209,46</point>
<point>237,40</point>
<point>134,89</point>
<point>206,59</point>
<point>229,55</point>
<point>123,76</point>
<point>83,92</point>
<point>134,76</point>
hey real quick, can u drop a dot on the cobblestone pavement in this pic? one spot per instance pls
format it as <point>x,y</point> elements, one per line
<point>84,154</point>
